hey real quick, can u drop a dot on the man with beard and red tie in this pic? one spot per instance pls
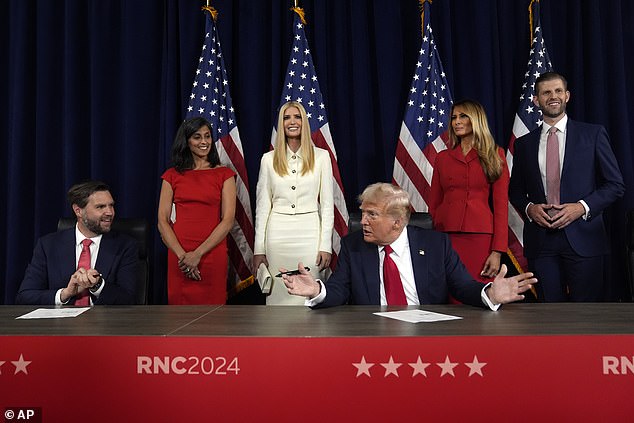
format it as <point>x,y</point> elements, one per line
<point>87,264</point>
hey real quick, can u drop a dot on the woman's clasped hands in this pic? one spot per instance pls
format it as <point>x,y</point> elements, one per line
<point>188,264</point>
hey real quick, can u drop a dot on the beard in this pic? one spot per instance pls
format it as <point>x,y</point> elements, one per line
<point>554,113</point>
<point>94,225</point>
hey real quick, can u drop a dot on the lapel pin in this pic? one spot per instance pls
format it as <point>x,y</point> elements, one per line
<point>421,252</point>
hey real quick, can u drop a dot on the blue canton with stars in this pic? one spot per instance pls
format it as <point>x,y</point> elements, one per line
<point>301,83</point>
<point>429,103</point>
<point>210,95</point>
<point>538,63</point>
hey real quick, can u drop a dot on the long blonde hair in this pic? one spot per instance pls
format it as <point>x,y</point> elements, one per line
<point>483,142</point>
<point>306,151</point>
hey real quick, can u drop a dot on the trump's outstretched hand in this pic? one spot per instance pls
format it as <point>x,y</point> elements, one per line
<point>302,284</point>
<point>506,290</point>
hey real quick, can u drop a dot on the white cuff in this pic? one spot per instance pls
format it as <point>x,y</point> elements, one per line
<point>58,298</point>
<point>486,300</point>
<point>526,211</point>
<point>586,215</point>
<point>310,302</point>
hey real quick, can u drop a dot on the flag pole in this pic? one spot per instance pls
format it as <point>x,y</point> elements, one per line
<point>509,252</point>
<point>527,119</point>
<point>306,88</point>
<point>216,105</point>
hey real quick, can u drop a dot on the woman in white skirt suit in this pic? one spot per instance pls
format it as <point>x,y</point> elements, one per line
<point>294,213</point>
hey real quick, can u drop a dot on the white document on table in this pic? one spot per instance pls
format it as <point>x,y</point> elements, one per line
<point>54,313</point>
<point>417,316</point>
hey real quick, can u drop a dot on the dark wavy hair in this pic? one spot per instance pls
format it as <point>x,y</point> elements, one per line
<point>79,193</point>
<point>182,158</point>
<point>550,76</point>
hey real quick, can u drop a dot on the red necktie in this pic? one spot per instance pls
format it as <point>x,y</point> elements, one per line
<point>392,280</point>
<point>83,298</point>
<point>552,166</point>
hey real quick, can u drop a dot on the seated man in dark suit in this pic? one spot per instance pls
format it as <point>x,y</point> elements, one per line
<point>86,264</point>
<point>421,266</point>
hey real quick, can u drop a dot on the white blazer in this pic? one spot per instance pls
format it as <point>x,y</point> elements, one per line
<point>295,194</point>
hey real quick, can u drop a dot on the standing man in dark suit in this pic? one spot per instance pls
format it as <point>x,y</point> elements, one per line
<point>426,269</point>
<point>564,235</point>
<point>87,264</point>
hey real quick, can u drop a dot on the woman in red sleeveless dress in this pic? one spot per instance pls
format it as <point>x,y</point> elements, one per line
<point>196,211</point>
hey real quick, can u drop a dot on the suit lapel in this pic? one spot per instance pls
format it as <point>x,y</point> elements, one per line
<point>105,255</point>
<point>64,256</point>
<point>533,160</point>
<point>571,134</point>
<point>417,247</point>
<point>370,260</point>
<point>456,154</point>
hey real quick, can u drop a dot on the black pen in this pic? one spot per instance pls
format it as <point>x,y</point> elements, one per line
<point>291,272</point>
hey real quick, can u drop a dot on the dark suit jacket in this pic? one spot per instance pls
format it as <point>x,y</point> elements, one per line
<point>437,271</point>
<point>590,173</point>
<point>53,263</point>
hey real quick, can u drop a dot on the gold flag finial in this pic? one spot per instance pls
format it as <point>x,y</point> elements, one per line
<point>300,12</point>
<point>208,8</point>
<point>422,14</point>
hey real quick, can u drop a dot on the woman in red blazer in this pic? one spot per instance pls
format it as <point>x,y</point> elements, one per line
<point>469,192</point>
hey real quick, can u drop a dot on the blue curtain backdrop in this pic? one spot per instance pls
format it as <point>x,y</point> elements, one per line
<point>97,88</point>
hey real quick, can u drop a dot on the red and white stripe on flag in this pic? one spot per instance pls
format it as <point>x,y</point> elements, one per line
<point>424,128</point>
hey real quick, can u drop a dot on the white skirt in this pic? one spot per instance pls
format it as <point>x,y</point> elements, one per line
<point>291,239</point>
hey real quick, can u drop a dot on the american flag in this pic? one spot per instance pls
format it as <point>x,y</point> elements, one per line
<point>527,118</point>
<point>301,85</point>
<point>211,99</point>
<point>425,124</point>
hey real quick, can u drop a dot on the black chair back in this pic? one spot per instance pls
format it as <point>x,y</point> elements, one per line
<point>420,219</point>
<point>138,229</point>
<point>629,250</point>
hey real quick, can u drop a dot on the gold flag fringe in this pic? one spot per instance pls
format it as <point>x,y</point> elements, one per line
<point>531,19</point>
<point>422,14</point>
<point>213,12</point>
<point>300,12</point>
